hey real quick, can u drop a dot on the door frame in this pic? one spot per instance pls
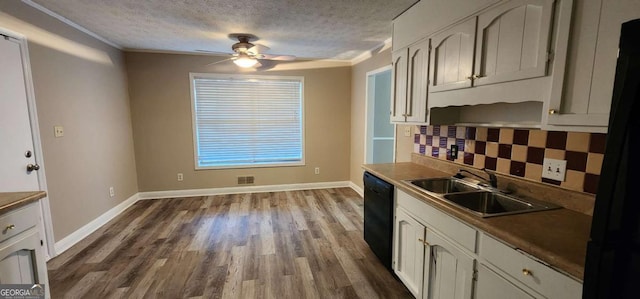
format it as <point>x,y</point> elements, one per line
<point>46,224</point>
<point>369,107</point>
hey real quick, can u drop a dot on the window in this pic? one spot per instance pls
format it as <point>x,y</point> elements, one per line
<point>247,121</point>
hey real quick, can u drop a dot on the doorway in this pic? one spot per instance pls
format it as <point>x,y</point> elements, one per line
<point>380,133</point>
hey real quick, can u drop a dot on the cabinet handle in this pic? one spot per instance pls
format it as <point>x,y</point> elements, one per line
<point>552,111</point>
<point>527,272</point>
<point>424,242</point>
<point>9,227</point>
<point>474,76</point>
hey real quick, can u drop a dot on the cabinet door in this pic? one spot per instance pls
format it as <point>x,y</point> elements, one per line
<point>449,270</point>
<point>591,63</point>
<point>513,41</point>
<point>18,260</point>
<point>490,286</point>
<point>570,106</point>
<point>452,57</point>
<point>399,103</point>
<point>409,248</point>
<point>418,82</point>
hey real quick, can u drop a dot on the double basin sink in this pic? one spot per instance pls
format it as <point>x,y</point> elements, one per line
<point>478,199</point>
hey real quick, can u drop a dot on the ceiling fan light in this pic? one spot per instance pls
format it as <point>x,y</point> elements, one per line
<point>245,61</point>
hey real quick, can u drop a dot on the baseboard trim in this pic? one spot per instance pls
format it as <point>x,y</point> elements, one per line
<point>77,236</point>
<point>238,190</point>
<point>356,188</point>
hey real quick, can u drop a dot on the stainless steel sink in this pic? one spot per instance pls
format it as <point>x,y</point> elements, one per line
<point>481,200</point>
<point>489,204</point>
<point>444,185</point>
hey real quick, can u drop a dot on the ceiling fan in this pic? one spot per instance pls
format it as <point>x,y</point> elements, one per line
<point>246,54</point>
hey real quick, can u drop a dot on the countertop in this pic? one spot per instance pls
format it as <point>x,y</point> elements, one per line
<point>12,200</point>
<point>556,237</point>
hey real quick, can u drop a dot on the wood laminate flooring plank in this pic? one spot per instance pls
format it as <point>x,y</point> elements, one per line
<point>293,244</point>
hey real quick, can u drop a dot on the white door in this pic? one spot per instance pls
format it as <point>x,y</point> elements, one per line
<point>15,127</point>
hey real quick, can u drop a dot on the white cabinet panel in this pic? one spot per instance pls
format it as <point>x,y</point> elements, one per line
<point>531,273</point>
<point>513,41</point>
<point>18,262</point>
<point>399,103</point>
<point>449,270</point>
<point>491,286</point>
<point>429,16</point>
<point>452,57</point>
<point>585,100</point>
<point>408,261</point>
<point>418,82</point>
<point>410,84</point>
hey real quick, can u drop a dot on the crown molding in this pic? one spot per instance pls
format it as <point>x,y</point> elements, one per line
<point>368,54</point>
<point>70,23</point>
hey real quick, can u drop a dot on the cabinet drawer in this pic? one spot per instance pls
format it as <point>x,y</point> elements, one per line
<point>539,277</point>
<point>17,221</point>
<point>445,224</point>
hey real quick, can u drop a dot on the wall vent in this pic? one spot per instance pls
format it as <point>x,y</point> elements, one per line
<point>245,180</point>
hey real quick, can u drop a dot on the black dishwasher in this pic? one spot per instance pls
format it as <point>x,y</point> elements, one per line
<point>378,217</point>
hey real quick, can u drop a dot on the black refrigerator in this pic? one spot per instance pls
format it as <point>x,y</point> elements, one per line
<point>612,267</point>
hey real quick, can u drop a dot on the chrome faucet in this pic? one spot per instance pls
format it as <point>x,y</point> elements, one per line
<point>493,180</point>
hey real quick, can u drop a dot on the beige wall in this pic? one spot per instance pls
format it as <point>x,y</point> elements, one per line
<point>359,109</point>
<point>162,124</point>
<point>80,83</point>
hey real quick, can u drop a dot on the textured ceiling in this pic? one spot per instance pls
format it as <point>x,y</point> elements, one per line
<point>331,29</point>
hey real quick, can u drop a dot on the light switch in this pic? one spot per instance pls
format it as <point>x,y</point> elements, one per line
<point>554,169</point>
<point>407,131</point>
<point>58,131</point>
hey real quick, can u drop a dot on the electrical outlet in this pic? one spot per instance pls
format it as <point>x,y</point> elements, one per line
<point>180,177</point>
<point>554,169</point>
<point>58,131</point>
<point>317,170</point>
<point>112,192</point>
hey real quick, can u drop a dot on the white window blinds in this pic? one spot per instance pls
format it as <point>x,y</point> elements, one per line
<point>247,121</point>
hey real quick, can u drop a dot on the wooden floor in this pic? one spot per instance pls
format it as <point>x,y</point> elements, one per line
<point>298,244</point>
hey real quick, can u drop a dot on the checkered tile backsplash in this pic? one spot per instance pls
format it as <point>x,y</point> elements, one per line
<point>518,152</point>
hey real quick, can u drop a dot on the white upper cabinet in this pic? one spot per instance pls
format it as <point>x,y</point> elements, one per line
<point>452,57</point>
<point>513,41</point>
<point>410,77</point>
<point>583,100</point>
<point>428,16</point>
<point>399,70</point>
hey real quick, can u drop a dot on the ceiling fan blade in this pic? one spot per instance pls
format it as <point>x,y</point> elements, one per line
<point>277,57</point>
<point>220,61</point>
<point>257,49</point>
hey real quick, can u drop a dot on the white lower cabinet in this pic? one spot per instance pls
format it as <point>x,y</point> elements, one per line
<point>448,270</point>
<point>492,286</point>
<point>21,254</point>
<point>409,249</point>
<point>438,256</point>
<point>429,264</point>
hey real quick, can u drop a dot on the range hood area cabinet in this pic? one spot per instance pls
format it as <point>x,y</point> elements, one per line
<point>410,70</point>
<point>581,99</point>
<point>501,54</point>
